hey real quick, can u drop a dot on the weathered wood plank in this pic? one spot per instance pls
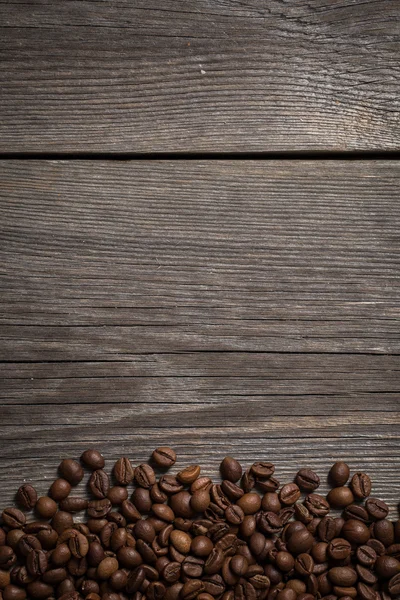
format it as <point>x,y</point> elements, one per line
<point>214,76</point>
<point>221,307</point>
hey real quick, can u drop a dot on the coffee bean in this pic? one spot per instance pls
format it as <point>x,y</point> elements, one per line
<point>355,511</point>
<point>200,501</point>
<point>317,505</point>
<point>262,470</point>
<point>394,586</point>
<point>327,529</point>
<point>191,589</point>
<point>387,566</point>
<point>164,457</point>
<point>189,475</point>
<point>98,508</point>
<point>36,562</point>
<point>304,564</point>
<point>307,480</point>
<point>231,469</point>
<point>145,476</point>
<point>123,471</point>
<point>181,505</point>
<point>71,470</point>
<point>376,508</point>
<point>289,494</point>
<point>365,592</point>
<point>46,507</point>
<point>99,484</point>
<point>339,474</point>
<point>383,531</point>
<point>340,497</point>
<point>250,503</point>
<point>355,532</point>
<point>26,496</point>
<point>93,459</point>
<point>339,549</point>
<point>361,485</point>
<point>13,518</point>
<point>234,514</point>
<point>300,542</point>
<point>59,489</point>
<point>170,485</point>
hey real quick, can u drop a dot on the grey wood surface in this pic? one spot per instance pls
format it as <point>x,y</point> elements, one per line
<point>221,307</point>
<point>209,75</point>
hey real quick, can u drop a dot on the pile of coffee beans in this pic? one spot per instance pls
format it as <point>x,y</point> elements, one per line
<point>183,537</point>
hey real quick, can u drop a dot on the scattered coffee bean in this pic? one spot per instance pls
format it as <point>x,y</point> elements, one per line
<point>184,537</point>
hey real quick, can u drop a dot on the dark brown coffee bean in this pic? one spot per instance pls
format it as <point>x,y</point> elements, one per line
<point>181,505</point>
<point>13,518</point>
<point>342,576</point>
<point>145,476</point>
<point>214,562</point>
<point>123,471</point>
<point>26,496</point>
<point>71,470</point>
<point>234,514</point>
<point>376,508</point>
<point>317,505</point>
<point>200,501</point>
<point>394,586</point>
<point>365,592</point>
<point>307,480</point>
<point>285,514</point>
<point>170,485</point>
<point>289,494</point>
<point>365,575</point>
<point>304,564</point>
<point>202,483</point>
<point>250,503</point>
<point>355,511</point>
<point>7,557</point>
<point>267,485</point>
<point>327,529</point>
<point>301,541</point>
<point>188,475</point>
<point>36,562</point>
<point>117,494</point>
<point>73,504</point>
<point>361,485</point>
<point>98,508</point>
<point>191,589</point>
<point>340,497</point>
<point>339,474</point>
<point>99,484</point>
<point>339,549</point>
<point>164,457</point>
<point>59,489</point>
<point>231,469</point>
<point>383,531</point>
<point>387,566</point>
<point>93,459</point>
<point>38,590</point>
<point>366,556</point>
<point>262,470</point>
<point>355,532</point>
<point>302,513</point>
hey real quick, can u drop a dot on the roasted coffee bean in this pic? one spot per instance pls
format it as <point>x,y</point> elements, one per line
<point>342,576</point>
<point>250,503</point>
<point>202,483</point>
<point>376,508</point>
<point>301,541</point>
<point>117,494</point>
<point>304,564</point>
<point>218,497</point>
<point>366,575</point>
<point>99,484</point>
<point>123,471</point>
<point>327,529</point>
<point>200,501</point>
<point>145,476</point>
<point>267,485</point>
<point>355,532</point>
<point>383,531</point>
<point>93,459</point>
<point>317,505</point>
<point>26,496</point>
<point>189,475</point>
<point>13,518</point>
<point>7,557</point>
<point>181,505</point>
<point>340,497</point>
<point>36,562</point>
<point>231,469</point>
<point>98,508</point>
<point>234,514</point>
<point>73,504</point>
<point>262,470</point>
<point>339,474</point>
<point>170,485</point>
<point>285,514</point>
<point>59,489</point>
<point>365,592</point>
<point>307,480</point>
<point>164,457</point>
<point>361,485</point>
<point>394,586</point>
<point>355,511</point>
<point>387,566</point>
<point>366,556</point>
<point>289,494</point>
<point>339,549</point>
<point>71,470</point>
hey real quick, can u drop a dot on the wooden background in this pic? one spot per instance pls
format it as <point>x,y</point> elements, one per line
<point>236,306</point>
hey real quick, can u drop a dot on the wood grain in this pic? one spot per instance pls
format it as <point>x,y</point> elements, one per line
<point>214,76</point>
<point>223,307</point>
